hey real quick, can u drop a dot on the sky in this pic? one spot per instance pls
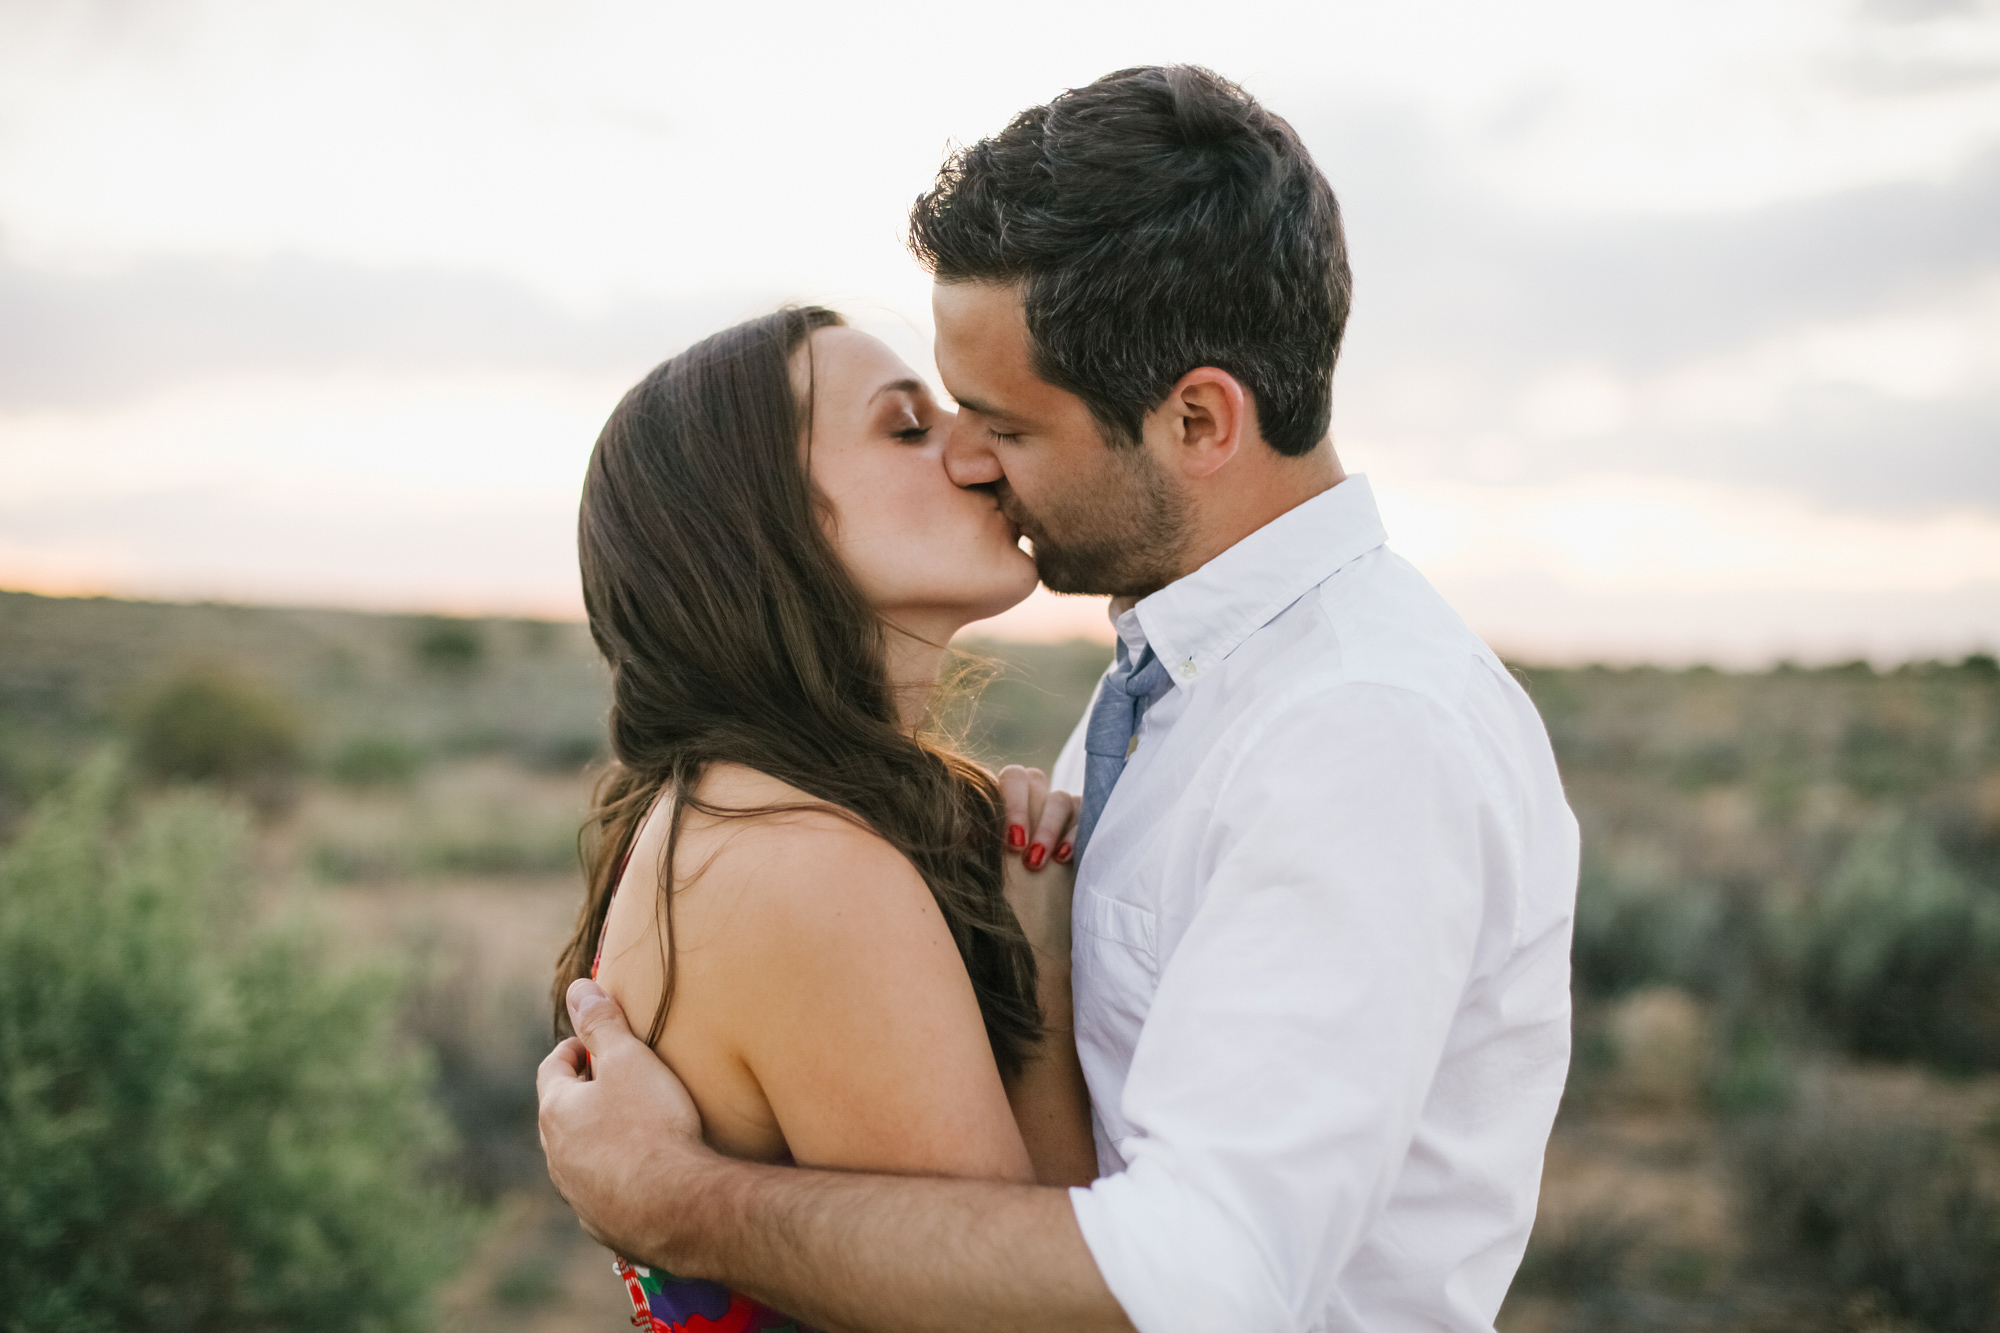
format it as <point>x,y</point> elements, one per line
<point>1676,332</point>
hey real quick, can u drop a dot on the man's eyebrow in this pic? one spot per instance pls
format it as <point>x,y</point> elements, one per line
<point>983,408</point>
<point>904,386</point>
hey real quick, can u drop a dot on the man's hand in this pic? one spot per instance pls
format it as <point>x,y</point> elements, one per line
<point>895,1254</point>
<point>614,1121</point>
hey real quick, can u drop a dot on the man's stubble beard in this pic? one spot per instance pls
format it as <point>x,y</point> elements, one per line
<point>1121,535</point>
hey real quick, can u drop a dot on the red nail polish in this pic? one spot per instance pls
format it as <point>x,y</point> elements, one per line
<point>1017,836</point>
<point>1063,853</point>
<point>1036,855</point>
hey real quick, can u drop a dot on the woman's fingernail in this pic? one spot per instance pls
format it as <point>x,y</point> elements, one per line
<point>1017,836</point>
<point>1036,855</point>
<point>1063,853</point>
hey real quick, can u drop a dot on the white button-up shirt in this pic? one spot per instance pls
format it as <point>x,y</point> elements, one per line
<point>1322,939</point>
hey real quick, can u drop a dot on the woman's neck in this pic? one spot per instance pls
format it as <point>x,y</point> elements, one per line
<point>915,654</point>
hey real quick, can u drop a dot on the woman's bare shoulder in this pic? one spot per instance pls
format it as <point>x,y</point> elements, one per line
<point>781,864</point>
<point>762,798</point>
<point>744,817</point>
<point>748,889</point>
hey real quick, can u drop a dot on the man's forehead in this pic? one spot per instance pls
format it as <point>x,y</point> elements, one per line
<point>978,316</point>
<point>978,298</point>
<point>982,343</point>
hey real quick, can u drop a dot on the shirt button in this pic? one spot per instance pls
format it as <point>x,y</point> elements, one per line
<point>1188,667</point>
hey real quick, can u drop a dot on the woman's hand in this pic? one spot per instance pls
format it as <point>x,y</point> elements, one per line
<point>1039,881</point>
<point>1041,823</point>
<point>1050,1098</point>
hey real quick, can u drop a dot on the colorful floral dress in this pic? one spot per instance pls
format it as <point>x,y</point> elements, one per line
<point>663,1303</point>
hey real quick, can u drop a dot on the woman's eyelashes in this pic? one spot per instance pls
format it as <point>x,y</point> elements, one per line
<point>912,434</point>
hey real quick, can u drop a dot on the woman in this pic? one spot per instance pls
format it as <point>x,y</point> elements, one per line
<point>805,894</point>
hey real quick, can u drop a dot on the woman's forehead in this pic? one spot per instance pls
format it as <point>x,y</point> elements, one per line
<point>853,368</point>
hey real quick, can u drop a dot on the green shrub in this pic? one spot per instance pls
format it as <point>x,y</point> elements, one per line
<point>1755,1071</point>
<point>209,725</point>
<point>567,755</point>
<point>375,761</point>
<point>485,1040</point>
<point>448,647</point>
<point>29,768</point>
<point>1899,955</point>
<point>1886,761</point>
<point>1889,1210</point>
<point>1713,764</point>
<point>1628,936</point>
<point>1590,1255</point>
<point>201,1125</point>
<point>454,846</point>
<point>529,1284</point>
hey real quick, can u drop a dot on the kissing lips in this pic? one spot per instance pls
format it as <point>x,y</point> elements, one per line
<point>1017,521</point>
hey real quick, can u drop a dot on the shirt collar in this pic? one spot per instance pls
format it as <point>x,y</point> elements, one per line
<point>1195,622</point>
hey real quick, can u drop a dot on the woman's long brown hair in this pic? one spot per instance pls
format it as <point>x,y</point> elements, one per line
<point>735,635</point>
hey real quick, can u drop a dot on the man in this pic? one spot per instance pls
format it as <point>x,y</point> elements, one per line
<point>1323,907</point>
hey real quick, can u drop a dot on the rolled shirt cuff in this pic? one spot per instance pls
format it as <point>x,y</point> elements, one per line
<point>1174,1259</point>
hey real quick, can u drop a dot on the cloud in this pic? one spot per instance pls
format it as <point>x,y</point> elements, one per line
<point>71,340</point>
<point>1872,74</point>
<point>1489,340</point>
<point>1857,450</point>
<point>1809,344</point>
<point>1447,274</point>
<point>1919,11</point>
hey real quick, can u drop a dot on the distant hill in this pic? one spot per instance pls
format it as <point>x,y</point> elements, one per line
<point>72,670</point>
<point>1801,757</point>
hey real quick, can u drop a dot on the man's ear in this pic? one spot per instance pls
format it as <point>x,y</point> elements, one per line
<point>1209,413</point>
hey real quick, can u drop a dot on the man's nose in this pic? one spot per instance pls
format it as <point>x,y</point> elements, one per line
<point>968,459</point>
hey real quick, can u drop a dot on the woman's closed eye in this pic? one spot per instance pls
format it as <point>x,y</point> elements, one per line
<point>912,434</point>
<point>1002,436</point>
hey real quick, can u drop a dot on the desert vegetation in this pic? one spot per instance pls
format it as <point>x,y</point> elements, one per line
<point>296,878</point>
<point>206,1126</point>
<point>1784,1109</point>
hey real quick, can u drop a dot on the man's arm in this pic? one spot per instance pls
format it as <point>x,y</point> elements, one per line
<point>846,1251</point>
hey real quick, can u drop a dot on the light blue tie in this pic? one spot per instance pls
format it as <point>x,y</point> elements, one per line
<point>1107,741</point>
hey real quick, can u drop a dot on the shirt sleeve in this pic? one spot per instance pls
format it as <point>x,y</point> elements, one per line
<point>1299,1024</point>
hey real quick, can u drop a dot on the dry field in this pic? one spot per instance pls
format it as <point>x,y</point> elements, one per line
<point>1784,1111</point>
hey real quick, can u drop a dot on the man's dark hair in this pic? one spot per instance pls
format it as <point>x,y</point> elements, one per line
<point>1157,220</point>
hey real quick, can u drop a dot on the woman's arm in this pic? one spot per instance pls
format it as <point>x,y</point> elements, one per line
<point>1050,1099</point>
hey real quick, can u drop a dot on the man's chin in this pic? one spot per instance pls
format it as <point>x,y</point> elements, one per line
<point>1065,581</point>
<point>1064,572</point>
